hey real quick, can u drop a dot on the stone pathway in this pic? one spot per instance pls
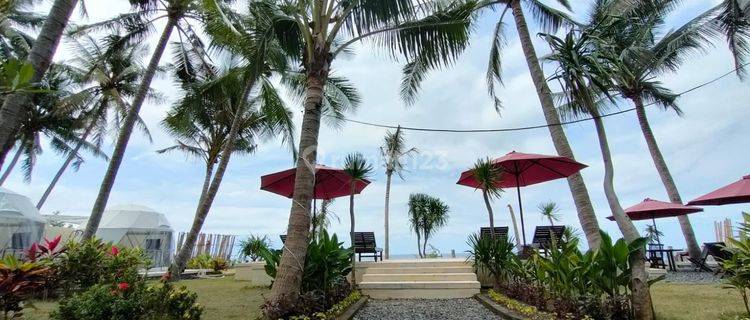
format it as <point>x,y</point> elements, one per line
<point>448,309</point>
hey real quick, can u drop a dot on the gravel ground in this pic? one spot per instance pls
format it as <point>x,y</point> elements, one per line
<point>448,309</point>
<point>691,277</point>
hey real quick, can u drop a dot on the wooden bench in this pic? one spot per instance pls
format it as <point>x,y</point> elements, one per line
<point>364,243</point>
<point>500,232</point>
<point>543,236</point>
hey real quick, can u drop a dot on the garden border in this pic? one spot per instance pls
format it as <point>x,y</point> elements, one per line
<point>353,309</point>
<point>496,308</point>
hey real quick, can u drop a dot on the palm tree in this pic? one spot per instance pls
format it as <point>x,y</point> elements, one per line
<point>314,33</point>
<point>356,166</point>
<point>112,77</point>
<point>652,234</point>
<point>393,152</point>
<point>434,218</point>
<point>549,211</point>
<point>549,19</point>
<point>488,177</point>
<point>136,26</point>
<point>15,18</point>
<point>40,57</point>
<point>322,220</point>
<point>48,118</point>
<point>416,204</point>
<point>731,19</point>
<point>585,82</point>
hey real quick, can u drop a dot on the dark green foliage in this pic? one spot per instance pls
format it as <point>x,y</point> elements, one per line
<point>136,301</point>
<point>493,255</point>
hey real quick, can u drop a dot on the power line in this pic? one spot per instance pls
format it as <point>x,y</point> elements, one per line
<point>379,125</point>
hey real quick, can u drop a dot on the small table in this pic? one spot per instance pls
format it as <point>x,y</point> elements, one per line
<point>670,256</point>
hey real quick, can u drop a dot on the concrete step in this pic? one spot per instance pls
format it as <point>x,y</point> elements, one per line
<point>420,289</point>
<point>421,263</point>
<point>405,277</point>
<point>420,285</point>
<point>412,270</point>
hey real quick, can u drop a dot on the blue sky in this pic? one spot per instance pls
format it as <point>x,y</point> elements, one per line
<point>705,148</point>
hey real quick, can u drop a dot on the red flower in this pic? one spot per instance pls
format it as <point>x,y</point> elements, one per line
<point>31,253</point>
<point>115,251</point>
<point>123,286</point>
<point>52,245</point>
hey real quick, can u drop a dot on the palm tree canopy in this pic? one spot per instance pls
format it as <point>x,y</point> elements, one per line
<point>394,150</point>
<point>488,177</point>
<point>427,214</point>
<point>549,211</point>
<point>16,19</point>
<point>357,167</point>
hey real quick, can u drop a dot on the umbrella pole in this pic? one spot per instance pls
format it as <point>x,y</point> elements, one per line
<point>520,211</point>
<point>315,212</point>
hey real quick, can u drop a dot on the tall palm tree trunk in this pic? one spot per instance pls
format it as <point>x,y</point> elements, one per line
<point>694,249</point>
<point>127,129</point>
<point>208,193</point>
<point>65,164</point>
<point>11,165</point>
<point>640,295</point>
<point>386,251</point>
<point>419,244</point>
<point>40,57</point>
<point>288,280</point>
<point>351,233</point>
<point>586,214</point>
<point>490,213</point>
<point>515,227</point>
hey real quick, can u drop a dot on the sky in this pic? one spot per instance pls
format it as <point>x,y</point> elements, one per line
<point>705,148</point>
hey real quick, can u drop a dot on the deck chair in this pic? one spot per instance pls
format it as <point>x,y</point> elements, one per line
<point>543,236</point>
<point>364,243</point>
<point>656,258</point>
<point>500,232</point>
<point>714,249</point>
<point>283,238</point>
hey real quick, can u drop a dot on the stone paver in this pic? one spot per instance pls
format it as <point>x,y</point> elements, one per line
<point>447,309</point>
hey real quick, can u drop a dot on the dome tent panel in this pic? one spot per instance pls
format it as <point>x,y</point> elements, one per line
<point>20,222</point>
<point>134,226</point>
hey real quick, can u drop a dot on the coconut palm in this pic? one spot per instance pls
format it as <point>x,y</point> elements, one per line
<point>16,17</point>
<point>434,218</point>
<point>652,234</point>
<point>17,105</point>
<point>731,19</point>
<point>135,27</point>
<point>393,151</point>
<point>585,83</point>
<point>488,177</point>
<point>46,118</point>
<point>316,33</point>
<point>110,79</point>
<point>549,211</point>
<point>359,170</point>
<point>549,19</point>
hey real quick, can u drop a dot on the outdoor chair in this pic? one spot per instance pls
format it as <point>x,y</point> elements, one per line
<point>364,243</point>
<point>500,232</point>
<point>656,256</point>
<point>283,238</point>
<point>714,249</point>
<point>543,236</point>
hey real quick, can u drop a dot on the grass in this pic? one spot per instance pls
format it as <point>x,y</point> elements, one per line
<point>222,298</point>
<point>694,301</point>
<point>228,299</point>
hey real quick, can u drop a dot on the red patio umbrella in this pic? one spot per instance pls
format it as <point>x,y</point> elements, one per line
<point>737,192</point>
<point>652,209</point>
<point>329,183</point>
<point>524,169</point>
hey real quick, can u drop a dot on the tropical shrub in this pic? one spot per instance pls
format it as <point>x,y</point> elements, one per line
<point>201,261</point>
<point>254,247</point>
<point>335,311</point>
<point>737,268</point>
<point>123,300</point>
<point>324,280</point>
<point>90,262</point>
<point>493,255</point>
<point>18,282</point>
<point>219,264</point>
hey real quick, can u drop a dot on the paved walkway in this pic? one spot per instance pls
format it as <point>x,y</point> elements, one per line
<point>448,309</point>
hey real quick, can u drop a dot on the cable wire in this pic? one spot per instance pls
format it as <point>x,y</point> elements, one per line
<point>372,124</point>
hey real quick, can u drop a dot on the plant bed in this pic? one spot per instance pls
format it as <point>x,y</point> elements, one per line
<point>511,309</point>
<point>344,310</point>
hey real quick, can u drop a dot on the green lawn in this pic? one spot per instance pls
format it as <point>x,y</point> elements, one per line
<point>694,301</point>
<point>228,299</point>
<point>222,299</point>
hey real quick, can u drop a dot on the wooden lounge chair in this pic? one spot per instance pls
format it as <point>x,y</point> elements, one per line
<point>714,249</point>
<point>543,236</point>
<point>283,238</point>
<point>500,232</point>
<point>364,243</point>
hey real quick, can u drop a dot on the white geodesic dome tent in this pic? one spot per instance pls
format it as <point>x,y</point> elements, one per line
<point>133,226</point>
<point>20,223</point>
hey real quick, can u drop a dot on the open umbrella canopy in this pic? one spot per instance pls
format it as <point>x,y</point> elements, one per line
<point>737,192</point>
<point>524,169</point>
<point>654,209</point>
<point>329,183</point>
